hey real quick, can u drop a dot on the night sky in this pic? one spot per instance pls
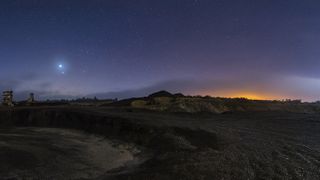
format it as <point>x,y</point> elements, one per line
<point>260,49</point>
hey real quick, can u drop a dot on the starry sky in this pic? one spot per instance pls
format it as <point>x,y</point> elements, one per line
<point>266,49</point>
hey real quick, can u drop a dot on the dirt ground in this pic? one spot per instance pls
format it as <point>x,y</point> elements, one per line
<point>50,153</point>
<point>247,145</point>
<point>202,146</point>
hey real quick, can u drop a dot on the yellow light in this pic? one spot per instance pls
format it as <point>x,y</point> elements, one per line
<point>240,94</point>
<point>249,96</point>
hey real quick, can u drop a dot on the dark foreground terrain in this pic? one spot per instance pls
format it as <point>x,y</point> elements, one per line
<point>143,144</point>
<point>46,153</point>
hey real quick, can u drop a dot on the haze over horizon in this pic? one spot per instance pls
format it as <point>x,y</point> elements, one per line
<point>266,49</point>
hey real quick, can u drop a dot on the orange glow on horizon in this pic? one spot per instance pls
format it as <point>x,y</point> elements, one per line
<point>249,96</point>
<point>242,94</point>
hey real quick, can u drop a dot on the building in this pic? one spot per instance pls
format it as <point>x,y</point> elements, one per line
<point>31,98</point>
<point>7,98</point>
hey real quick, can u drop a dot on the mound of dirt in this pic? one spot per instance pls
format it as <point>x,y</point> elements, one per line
<point>161,94</point>
<point>165,101</point>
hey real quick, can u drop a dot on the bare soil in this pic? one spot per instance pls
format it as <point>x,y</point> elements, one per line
<point>239,145</point>
<point>50,153</point>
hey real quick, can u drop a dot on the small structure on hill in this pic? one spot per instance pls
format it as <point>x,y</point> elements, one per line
<point>31,98</point>
<point>7,98</point>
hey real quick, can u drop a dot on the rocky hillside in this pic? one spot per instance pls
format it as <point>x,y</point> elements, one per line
<point>165,101</point>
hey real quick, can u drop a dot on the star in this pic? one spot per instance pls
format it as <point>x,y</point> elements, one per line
<point>61,69</point>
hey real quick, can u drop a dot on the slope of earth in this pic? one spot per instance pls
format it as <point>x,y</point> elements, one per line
<point>49,153</point>
<point>239,145</point>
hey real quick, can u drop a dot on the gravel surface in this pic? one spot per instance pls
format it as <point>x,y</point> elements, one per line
<point>48,153</point>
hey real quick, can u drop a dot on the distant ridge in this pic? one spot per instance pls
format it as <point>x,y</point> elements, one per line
<point>166,101</point>
<point>162,93</point>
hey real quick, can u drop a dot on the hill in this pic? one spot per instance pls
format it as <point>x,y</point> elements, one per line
<point>166,101</point>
